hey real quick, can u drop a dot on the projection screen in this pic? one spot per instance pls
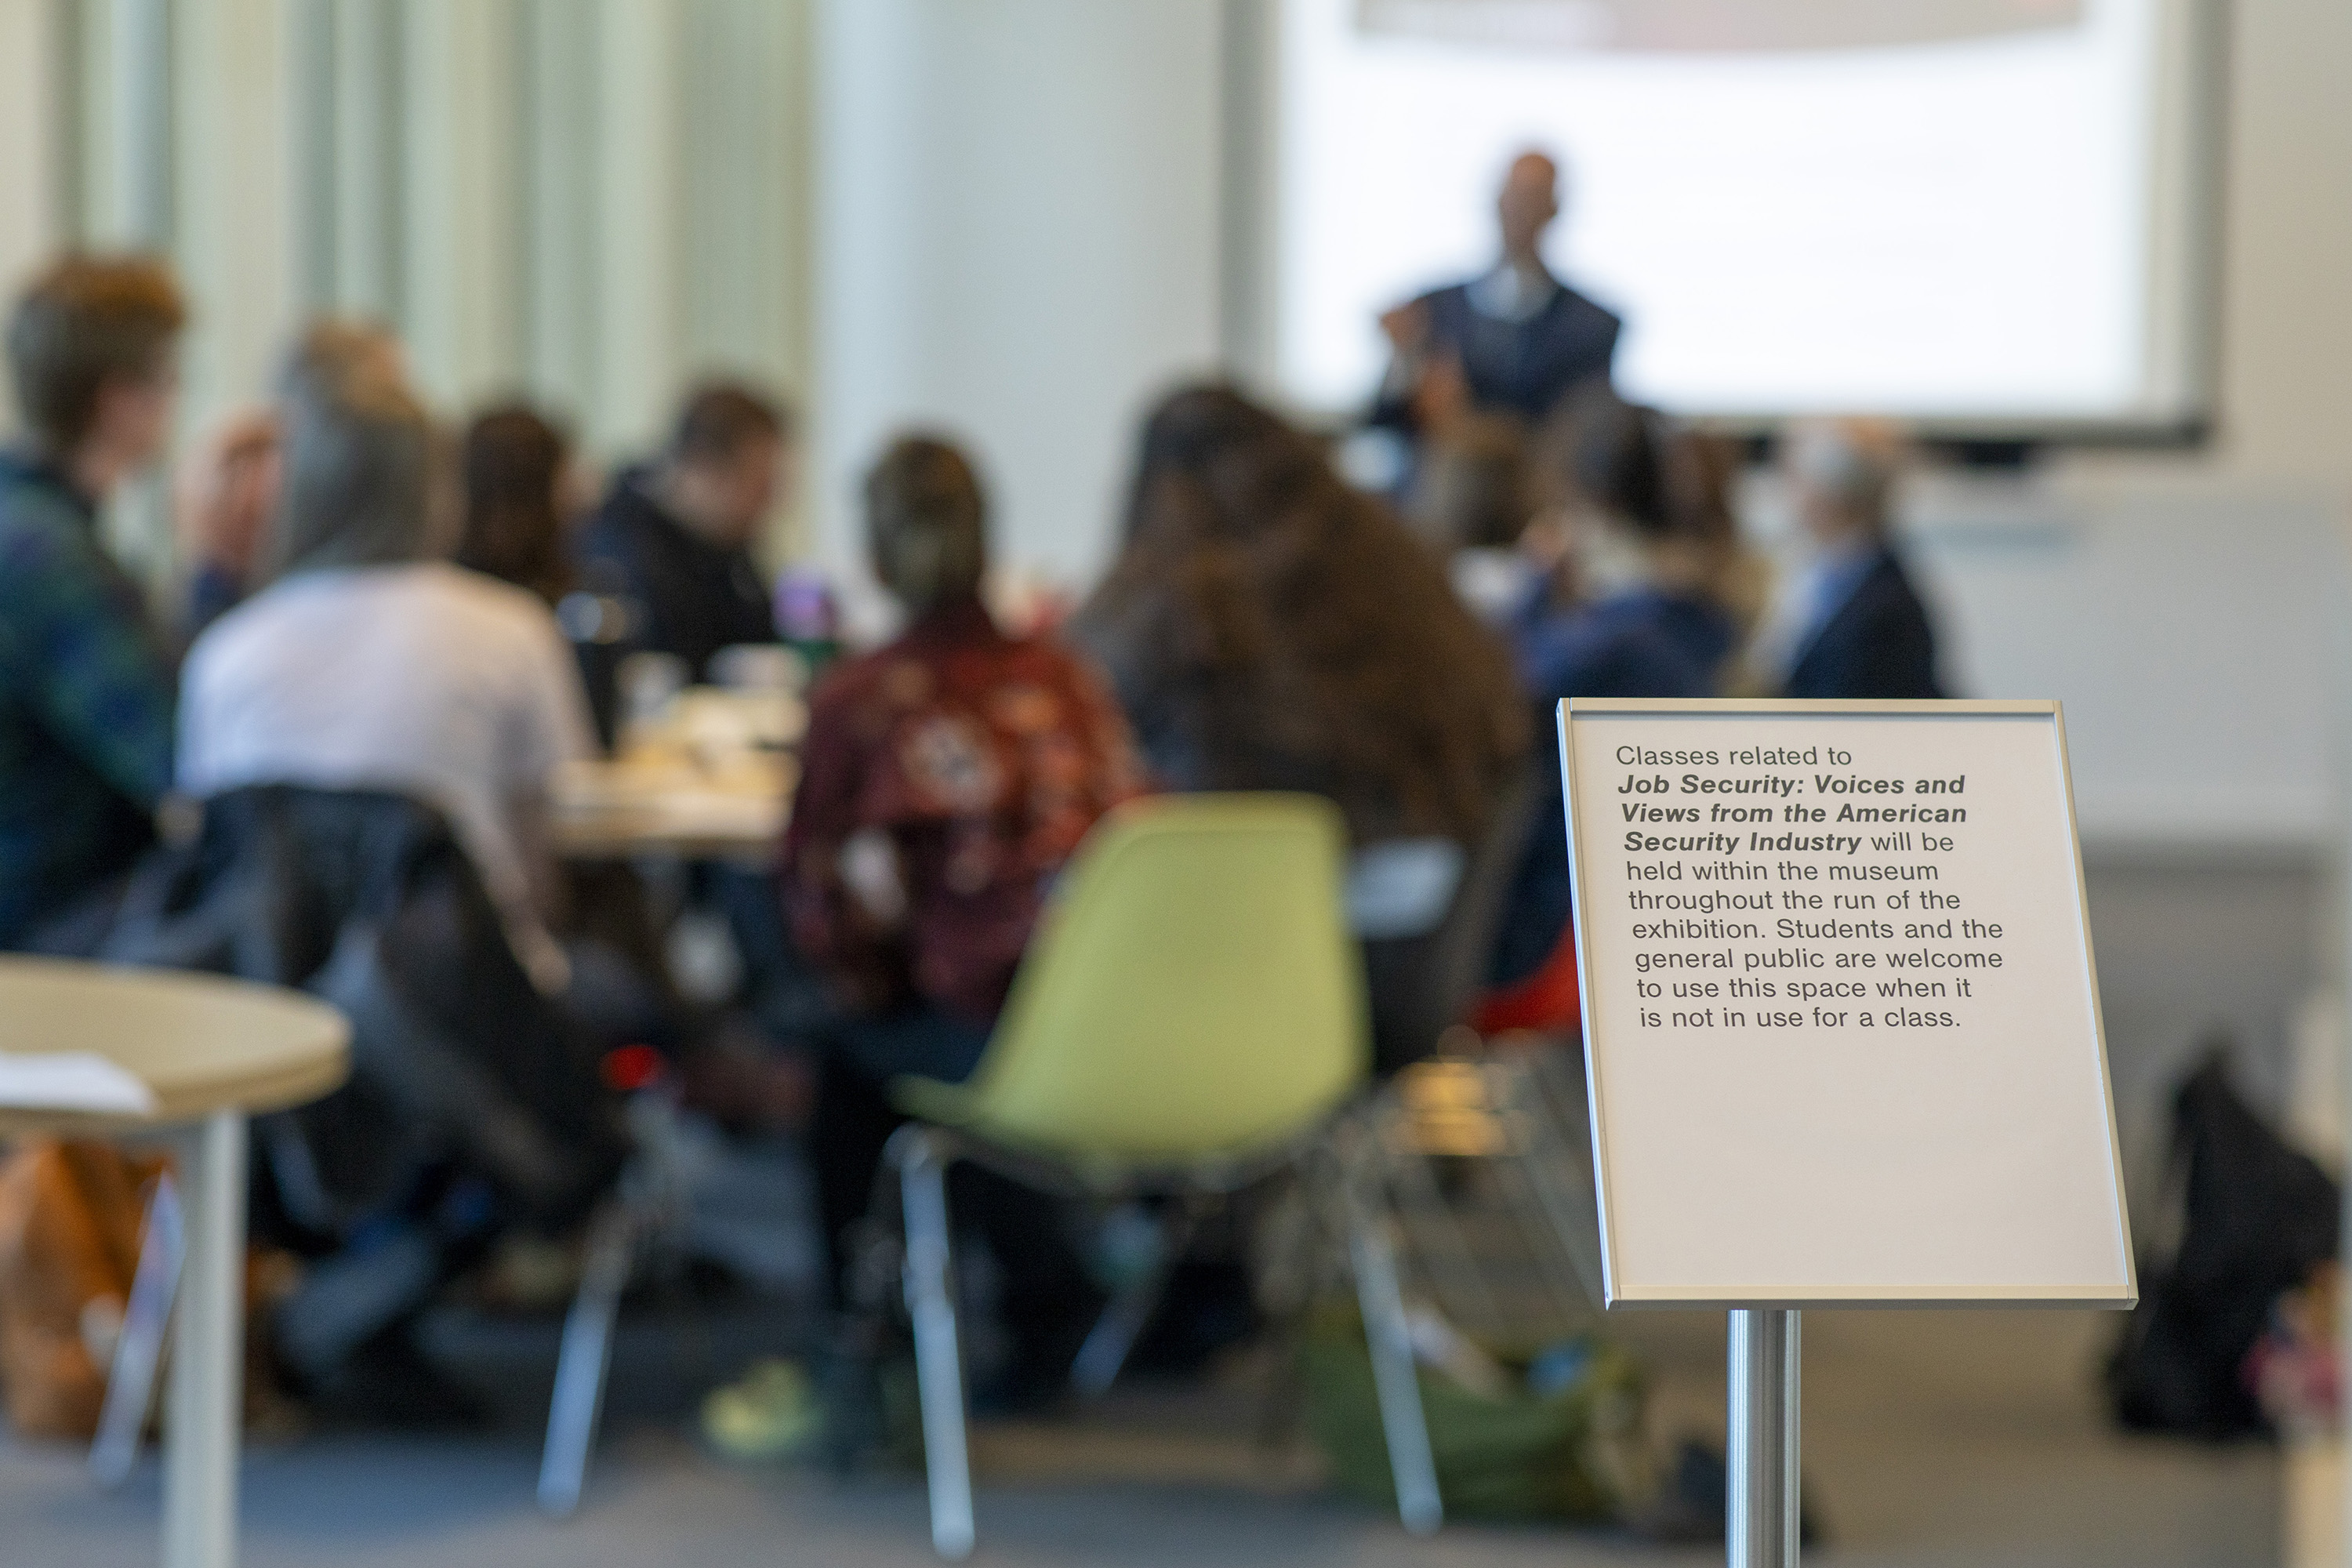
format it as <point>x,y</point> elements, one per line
<point>1992,217</point>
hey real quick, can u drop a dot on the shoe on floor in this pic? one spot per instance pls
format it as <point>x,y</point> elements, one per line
<point>772,1412</point>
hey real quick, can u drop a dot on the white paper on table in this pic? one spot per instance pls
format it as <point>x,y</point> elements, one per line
<point>72,1081</point>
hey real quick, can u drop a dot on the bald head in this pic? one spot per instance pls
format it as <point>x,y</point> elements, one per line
<point>1529,201</point>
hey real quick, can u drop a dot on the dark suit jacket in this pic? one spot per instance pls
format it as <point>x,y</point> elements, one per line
<point>1519,367</point>
<point>1877,644</point>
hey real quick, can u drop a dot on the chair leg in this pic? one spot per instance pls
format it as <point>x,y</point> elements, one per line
<point>1402,1422</point>
<point>586,1359</point>
<point>1112,1339</point>
<point>921,1163</point>
<point>139,1352</point>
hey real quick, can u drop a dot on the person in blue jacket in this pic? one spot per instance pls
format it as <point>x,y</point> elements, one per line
<point>1856,626</point>
<point>1625,611</point>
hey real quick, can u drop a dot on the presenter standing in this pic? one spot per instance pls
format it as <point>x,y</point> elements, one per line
<point>1512,340</point>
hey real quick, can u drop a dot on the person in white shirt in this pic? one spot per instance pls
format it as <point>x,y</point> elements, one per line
<point>370,662</point>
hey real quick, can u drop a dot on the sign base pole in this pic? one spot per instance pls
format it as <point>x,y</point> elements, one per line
<point>1761,1512</point>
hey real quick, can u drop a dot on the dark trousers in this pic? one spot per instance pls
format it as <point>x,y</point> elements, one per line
<point>1048,1301</point>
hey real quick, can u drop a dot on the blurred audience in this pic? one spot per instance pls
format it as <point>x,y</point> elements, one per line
<point>523,492</point>
<point>1634,539</point>
<point>1631,547</point>
<point>947,778</point>
<point>1471,500</point>
<point>1514,339</point>
<point>222,501</point>
<point>672,540</point>
<point>370,661</point>
<point>1722,566</point>
<point>1267,626</point>
<point>521,499</point>
<point>1472,491</point>
<point>333,348</point>
<point>84,682</point>
<point>1855,626</point>
<point>226,492</point>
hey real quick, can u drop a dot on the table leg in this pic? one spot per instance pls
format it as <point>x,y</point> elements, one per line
<point>201,1427</point>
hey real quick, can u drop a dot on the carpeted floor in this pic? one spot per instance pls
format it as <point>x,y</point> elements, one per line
<point>1932,1439</point>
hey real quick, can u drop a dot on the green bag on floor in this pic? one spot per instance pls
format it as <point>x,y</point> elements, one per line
<point>1572,1456</point>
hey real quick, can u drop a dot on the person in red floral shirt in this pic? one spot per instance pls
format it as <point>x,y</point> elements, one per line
<point>947,778</point>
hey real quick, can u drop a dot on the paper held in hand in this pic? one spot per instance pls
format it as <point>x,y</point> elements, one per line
<point>74,1081</point>
<point>1841,1027</point>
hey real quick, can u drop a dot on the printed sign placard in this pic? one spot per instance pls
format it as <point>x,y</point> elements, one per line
<point>1842,1023</point>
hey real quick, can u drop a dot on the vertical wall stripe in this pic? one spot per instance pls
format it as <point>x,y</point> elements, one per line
<point>588,200</point>
<point>462,234</point>
<point>637,226</point>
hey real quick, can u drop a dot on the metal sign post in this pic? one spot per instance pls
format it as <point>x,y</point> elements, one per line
<point>1760,1507</point>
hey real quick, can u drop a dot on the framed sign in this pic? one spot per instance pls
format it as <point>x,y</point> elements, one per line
<point>1841,1017</point>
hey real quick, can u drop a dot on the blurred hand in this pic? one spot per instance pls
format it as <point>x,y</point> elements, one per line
<point>1442,397</point>
<point>1407,326</point>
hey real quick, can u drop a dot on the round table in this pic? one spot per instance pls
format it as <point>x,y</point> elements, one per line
<point>212,1052</point>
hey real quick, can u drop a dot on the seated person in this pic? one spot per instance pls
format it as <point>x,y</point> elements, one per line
<point>1624,611</point>
<point>1855,625</point>
<point>522,495</point>
<point>221,504</point>
<point>521,502</point>
<point>1631,534</point>
<point>672,540</point>
<point>84,683</point>
<point>226,493</point>
<point>947,779</point>
<point>1470,501</point>
<point>1266,627</point>
<point>370,661</point>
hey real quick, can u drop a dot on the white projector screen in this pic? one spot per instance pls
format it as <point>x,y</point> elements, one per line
<point>2000,233</point>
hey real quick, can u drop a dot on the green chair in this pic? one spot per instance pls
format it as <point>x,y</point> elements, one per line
<point>1189,1016</point>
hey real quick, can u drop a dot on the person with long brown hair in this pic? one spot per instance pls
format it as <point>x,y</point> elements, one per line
<point>1267,626</point>
<point>517,466</point>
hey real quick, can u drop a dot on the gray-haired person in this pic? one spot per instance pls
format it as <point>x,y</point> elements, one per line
<point>372,662</point>
<point>1856,626</point>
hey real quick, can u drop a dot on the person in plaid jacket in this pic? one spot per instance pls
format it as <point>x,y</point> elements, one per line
<point>85,687</point>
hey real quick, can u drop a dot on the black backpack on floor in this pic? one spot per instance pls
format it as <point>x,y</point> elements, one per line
<point>2256,1216</point>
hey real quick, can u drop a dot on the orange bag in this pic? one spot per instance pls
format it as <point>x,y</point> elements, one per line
<point>69,1225</point>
